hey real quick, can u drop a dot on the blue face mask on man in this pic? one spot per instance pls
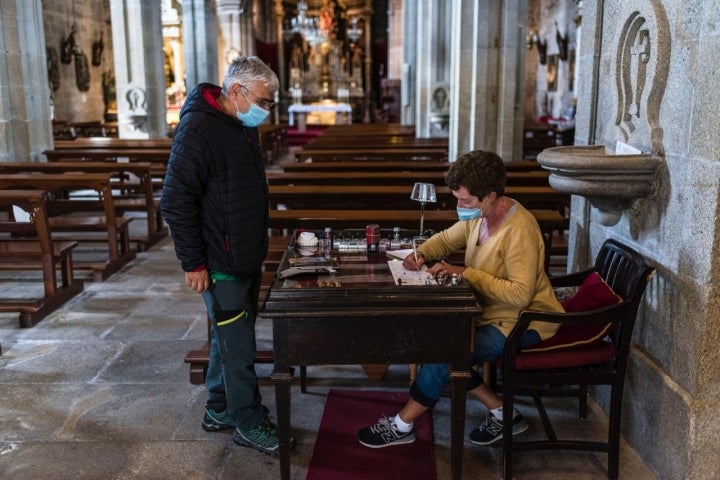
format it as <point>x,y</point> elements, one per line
<point>465,214</point>
<point>254,117</point>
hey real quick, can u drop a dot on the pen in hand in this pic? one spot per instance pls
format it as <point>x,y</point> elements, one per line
<point>415,253</point>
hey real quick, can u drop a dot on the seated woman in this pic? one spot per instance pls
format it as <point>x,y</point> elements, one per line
<point>504,263</point>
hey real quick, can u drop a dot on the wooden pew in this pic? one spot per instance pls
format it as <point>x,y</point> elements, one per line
<point>155,155</point>
<point>113,143</point>
<point>536,178</point>
<point>368,166</point>
<point>375,142</point>
<point>273,139</point>
<point>372,129</point>
<point>380,154</point>
<point>69,218</point>
<point>398,197</point>
<point>39,252</point>
<point>144,201</point>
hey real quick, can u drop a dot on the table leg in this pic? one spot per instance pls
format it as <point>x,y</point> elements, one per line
<point>302,122</point>
<point>282,399</point>
<point>457,421</point>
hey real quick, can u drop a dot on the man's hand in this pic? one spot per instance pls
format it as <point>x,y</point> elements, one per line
<point>198,281</point>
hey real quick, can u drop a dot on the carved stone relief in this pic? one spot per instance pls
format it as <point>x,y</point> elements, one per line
<point>642,62</point>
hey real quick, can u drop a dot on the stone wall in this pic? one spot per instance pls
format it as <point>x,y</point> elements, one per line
<point>92,21</point>
<point>660,95</point>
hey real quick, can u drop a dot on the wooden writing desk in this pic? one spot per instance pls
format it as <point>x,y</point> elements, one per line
<point>348,323</point>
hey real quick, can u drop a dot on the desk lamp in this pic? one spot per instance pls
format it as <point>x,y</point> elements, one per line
<point>423,193</point>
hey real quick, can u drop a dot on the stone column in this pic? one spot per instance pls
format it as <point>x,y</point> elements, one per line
<point>139,68</point>
<point>279,17</point>
<point>25,117</point>
<point>200,41</point>
<point>247,32</point>
<point>367,15</point>
<point>432,69</point>
<point>408,83</point>
<point>487,70</point>
<point>228,17</point>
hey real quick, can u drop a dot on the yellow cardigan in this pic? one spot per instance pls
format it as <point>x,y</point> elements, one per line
<point>506,271</point>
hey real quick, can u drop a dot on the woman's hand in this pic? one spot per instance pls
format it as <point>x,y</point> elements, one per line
<point>443,268</point>
<point>410,264</point>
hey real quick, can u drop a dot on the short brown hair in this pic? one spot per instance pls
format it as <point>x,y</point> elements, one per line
<point>480,172</point>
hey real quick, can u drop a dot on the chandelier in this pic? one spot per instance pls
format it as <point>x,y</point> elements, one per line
<point>313,29</point>
<point>321,28</point>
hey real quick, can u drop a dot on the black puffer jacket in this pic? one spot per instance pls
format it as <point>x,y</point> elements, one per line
<point>215,194</point>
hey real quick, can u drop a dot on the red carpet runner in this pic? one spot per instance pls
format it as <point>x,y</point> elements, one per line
<point>339,456</point>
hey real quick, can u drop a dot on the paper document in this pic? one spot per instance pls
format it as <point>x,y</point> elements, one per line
<point>409,277</point>
<point>401,254</point>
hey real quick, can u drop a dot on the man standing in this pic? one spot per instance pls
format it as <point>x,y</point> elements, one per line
<point>215,201</point>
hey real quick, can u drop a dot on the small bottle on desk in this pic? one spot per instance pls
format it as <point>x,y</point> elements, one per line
<point>328,238</point>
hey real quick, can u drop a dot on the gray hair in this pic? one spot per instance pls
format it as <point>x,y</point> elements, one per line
<point>244,70</point>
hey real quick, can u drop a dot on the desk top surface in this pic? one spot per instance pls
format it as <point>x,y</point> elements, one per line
<point>360,282</point>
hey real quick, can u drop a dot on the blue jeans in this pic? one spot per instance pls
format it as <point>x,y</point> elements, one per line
<point>231,380</point>
<point>432,379</point>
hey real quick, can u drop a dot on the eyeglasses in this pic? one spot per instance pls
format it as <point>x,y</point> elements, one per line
<point>264,103</point>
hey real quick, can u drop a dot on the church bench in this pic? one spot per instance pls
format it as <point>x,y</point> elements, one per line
<point>379,154</point>
<point>155,155</point>
<point>536,178</point>
<point>372,129</point>
<point>128,194</point>
<point>398,197</point>
<point>368,166</point>
<point>36,252</point>
<point>374,142</point>
<point>81,223</point>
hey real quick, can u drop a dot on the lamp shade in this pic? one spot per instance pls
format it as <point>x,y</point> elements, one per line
<point>423,192</point>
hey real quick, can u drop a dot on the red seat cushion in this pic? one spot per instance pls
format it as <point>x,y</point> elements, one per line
<point>593,293</point>
<point>599,352</point>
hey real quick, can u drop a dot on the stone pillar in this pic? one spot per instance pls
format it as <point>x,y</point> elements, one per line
<point>200,41</point>
<point>228,17</point>
<point>247,32</point>
<point>139,68</point>
<point>279,17</point>
<point>408,83</point>
<point>487,70</point>
<point>25,117</point>
<point>367,15</point>
<point>432,69</point>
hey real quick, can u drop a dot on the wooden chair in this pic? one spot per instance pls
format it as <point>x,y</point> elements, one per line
<point>590,348</point>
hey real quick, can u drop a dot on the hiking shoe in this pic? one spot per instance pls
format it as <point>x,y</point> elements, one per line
<point>491,430</point>
<point>384,434</point>
<point>263,438</point>
<point>215,421</point>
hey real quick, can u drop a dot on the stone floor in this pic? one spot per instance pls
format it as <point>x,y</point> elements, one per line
<point>99,390</point>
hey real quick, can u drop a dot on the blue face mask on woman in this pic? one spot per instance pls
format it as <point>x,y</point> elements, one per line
<point>465,214</point>
<point>254,117</point>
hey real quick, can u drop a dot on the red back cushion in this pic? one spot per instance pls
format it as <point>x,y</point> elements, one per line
<point>593,293</point>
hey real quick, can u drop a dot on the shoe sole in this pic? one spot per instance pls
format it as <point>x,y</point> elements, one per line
<point>273,453</point>
<point>404,441</point>
<point>516,431</point>
<point>209,427</point>
<point>244,443</point>
<point>213,426</point>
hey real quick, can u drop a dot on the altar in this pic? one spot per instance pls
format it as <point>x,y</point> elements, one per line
<point>342,113</point>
